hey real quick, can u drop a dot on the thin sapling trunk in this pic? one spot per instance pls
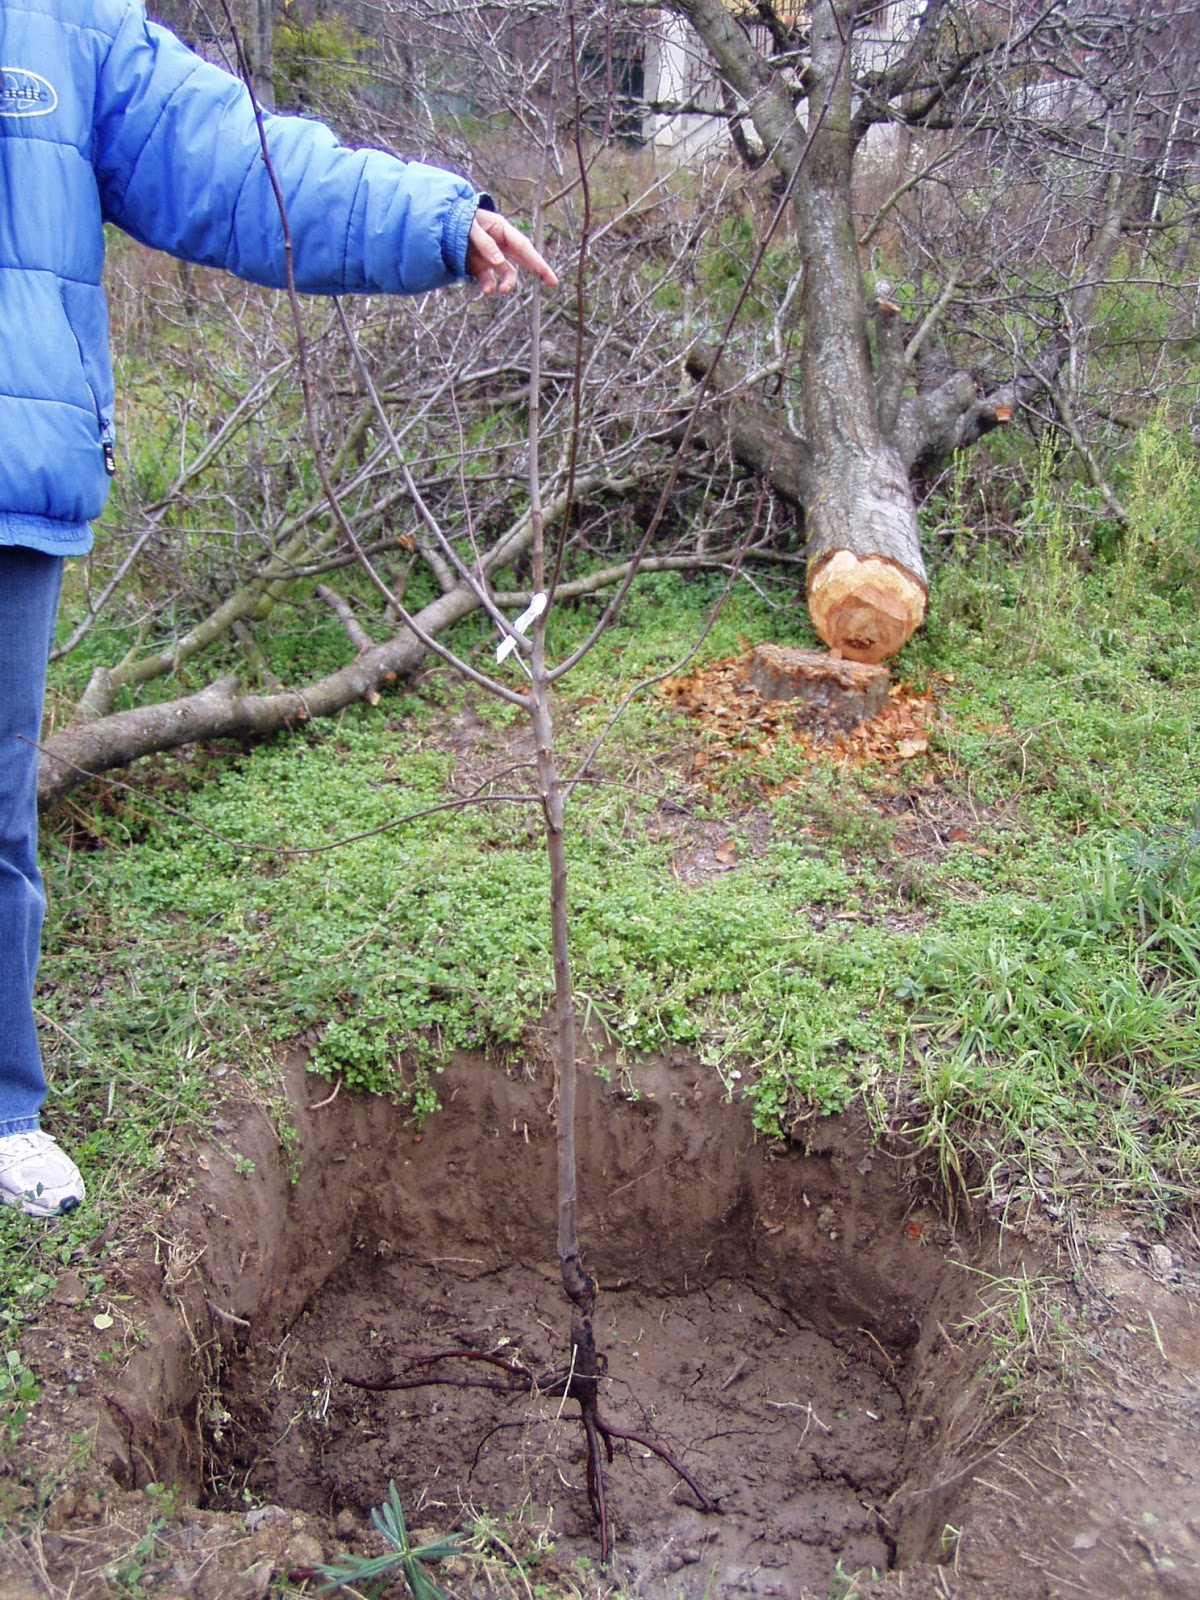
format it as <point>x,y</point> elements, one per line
<point>586,1366</point>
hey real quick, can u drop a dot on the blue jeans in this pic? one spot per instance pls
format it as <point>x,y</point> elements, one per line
<point>29,589</point>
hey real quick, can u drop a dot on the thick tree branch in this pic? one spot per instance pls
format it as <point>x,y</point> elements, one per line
<point>222,711</point>
<point>754,434</point>
<point>344,612</point>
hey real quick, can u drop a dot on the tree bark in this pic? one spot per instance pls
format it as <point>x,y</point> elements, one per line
<point>262,52</point>
<point>866,578</point>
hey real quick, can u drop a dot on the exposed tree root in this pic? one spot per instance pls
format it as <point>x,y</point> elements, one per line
<point>580,1382</point>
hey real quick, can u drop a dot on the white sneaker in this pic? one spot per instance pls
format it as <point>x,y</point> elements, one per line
<point>37,1176</point>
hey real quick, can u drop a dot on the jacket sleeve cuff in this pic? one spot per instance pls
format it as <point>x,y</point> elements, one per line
<point>457,231</point>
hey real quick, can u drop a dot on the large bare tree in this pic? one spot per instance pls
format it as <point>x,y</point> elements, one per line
<point>1030,145</point>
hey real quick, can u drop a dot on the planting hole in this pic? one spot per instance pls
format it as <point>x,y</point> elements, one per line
<point>767,1314</point>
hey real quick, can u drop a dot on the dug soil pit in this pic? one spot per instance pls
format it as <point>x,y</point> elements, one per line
<point>764,1312</point>
<point>794,1433</point>
<point>798,1325</point>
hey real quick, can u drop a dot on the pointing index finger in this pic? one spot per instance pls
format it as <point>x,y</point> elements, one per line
<point>515,246</point>
<point>521,251</point>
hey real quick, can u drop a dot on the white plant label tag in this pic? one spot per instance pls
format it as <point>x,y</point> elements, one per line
<point>522,625</point>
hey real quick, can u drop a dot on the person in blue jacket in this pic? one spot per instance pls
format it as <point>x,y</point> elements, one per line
<point>106,117</point>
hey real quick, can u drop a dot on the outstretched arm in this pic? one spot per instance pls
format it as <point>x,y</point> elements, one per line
<point>179,164</point>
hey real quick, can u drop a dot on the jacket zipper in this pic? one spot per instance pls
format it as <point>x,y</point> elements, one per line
<point>107,435</point>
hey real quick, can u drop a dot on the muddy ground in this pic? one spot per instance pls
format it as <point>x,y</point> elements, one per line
<point>832,1356</point>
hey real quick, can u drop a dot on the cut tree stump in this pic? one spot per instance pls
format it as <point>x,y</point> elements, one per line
<point>832,693</point>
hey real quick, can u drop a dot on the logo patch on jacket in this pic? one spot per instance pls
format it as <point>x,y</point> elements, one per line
<point>26,94</point>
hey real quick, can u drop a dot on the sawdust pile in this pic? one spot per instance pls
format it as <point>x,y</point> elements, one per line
<point>720,697</point>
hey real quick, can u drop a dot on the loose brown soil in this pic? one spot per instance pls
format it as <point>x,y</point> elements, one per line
<point>803,1327</point>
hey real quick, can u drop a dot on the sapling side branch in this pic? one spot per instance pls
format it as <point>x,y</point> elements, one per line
<point>500,690</point>
<point>476,581</point>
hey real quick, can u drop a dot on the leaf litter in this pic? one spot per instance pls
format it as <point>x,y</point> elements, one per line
<point>721,699</point>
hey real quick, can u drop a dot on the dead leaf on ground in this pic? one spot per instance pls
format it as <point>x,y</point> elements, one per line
<point>906,749</point>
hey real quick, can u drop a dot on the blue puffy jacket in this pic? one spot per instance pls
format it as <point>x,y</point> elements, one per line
<point>105,117</point>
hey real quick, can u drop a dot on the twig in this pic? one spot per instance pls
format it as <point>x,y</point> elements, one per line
<point>227,1316</point>
<point>344,612</point>
<point>430,642</point>
<point>329,1098</point>
<point>605,577</point>
<point>866,1332</point>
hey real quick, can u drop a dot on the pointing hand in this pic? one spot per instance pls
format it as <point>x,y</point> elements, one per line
<point>495,252</point>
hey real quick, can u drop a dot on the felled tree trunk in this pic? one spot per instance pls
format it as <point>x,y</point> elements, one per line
<point>875,414</point>
<point>866,575</point>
